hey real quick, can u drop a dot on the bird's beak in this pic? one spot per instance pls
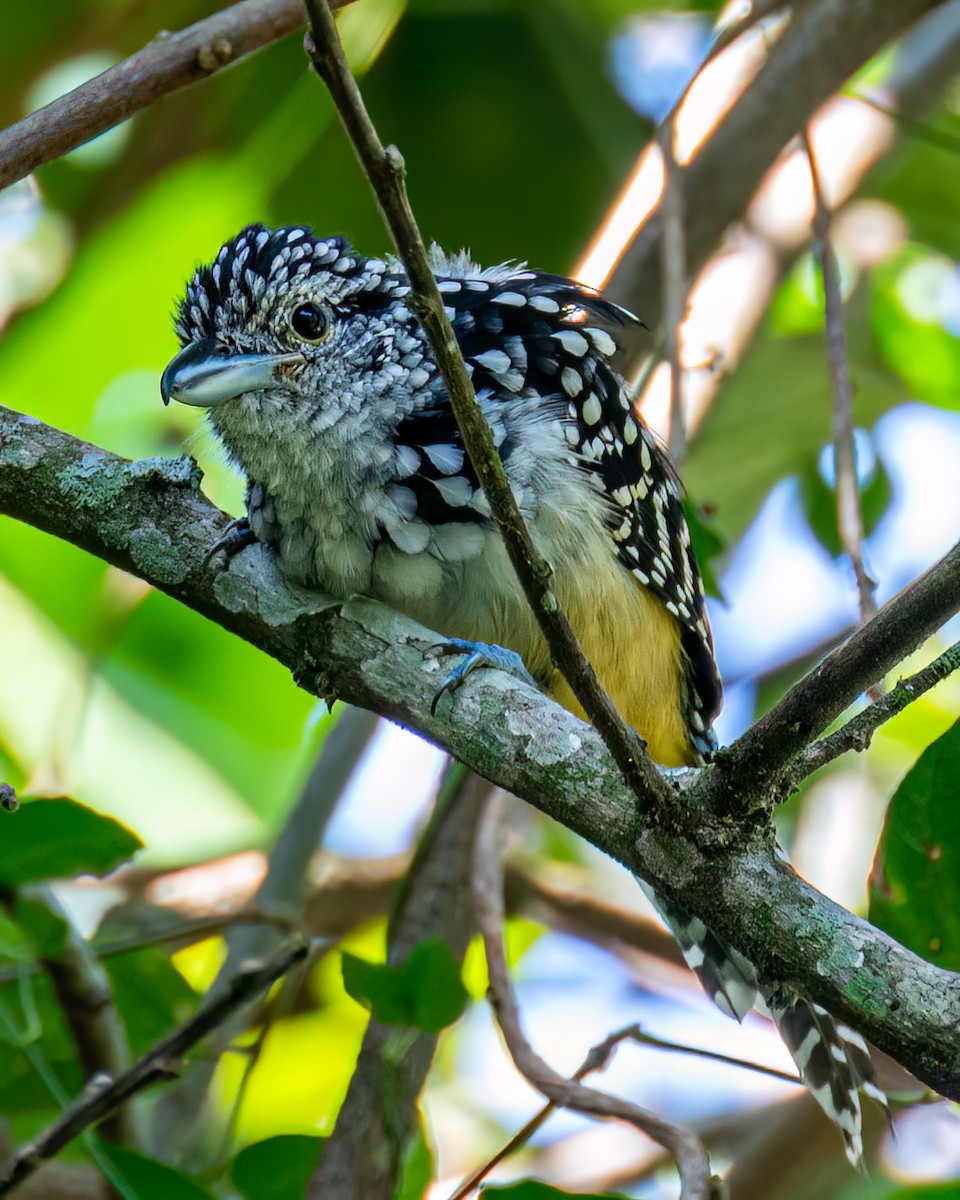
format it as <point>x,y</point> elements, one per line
<point>203,376</point>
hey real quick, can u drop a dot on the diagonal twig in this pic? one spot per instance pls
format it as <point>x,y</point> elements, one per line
<point>596,1059</point>
<point>177,1116</point>
<point>673,266</point>
<point>171,61</point>
<point>103,1094</point>
<point>858,732</point>
<point>846,485</point>
<point>748,773</point>
<point>385,171</point>
<point>686,1147</point>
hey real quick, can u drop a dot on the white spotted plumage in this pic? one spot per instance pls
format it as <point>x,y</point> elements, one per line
<point>358,478</point>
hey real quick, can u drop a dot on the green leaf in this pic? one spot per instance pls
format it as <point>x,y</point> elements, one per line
<point>432,978</point>
<point>915,882</point>
<point>533,1189</point>
<point>278,1168</point>
<point>425,991</point>
<point>54,839</point>
<point>46,930</point>
<point>150,1179</point>
<point>377,987</point>
<point>417,1168</point>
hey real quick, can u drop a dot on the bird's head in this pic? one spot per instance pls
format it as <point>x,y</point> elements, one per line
<point>284,322</point>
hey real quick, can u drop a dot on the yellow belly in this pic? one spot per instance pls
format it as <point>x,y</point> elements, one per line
<point>634,646</point>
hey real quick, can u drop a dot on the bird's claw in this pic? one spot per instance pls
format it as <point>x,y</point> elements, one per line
<point>477,654</point>
<point>235,538</point>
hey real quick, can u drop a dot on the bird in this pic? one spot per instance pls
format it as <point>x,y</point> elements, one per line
<point>321,384</point>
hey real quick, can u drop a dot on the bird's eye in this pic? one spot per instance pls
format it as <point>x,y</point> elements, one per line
<point>309,322</point>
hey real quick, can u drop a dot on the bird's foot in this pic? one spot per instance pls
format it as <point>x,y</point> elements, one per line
<point>235,538</point>
<point>477,654</point>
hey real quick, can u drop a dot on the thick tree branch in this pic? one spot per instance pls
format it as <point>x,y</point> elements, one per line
<point>149,518</point>
<point>171,61</point>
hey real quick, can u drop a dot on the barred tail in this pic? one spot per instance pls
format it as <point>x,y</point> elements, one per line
<point>727,977</point>
<point>833,1059</point>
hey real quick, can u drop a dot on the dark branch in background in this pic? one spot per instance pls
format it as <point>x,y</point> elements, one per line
<point>349,891</point>
<point>171,61</point>
<point>858,732</point>
<point>384,170</point>
<point>825,43</point>
<point>83,991</point>
<point>846,482</point>
<point>364,1155</point>
<point>104,1095</point>
<point>150,519</point>
<point>686,1148</point>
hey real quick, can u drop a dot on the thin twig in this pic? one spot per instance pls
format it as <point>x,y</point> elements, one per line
<point>846,485</point>
<point>749,771</point>
<point>103,1094</point>
<point>730,1060</point>
<point>923,131</point>
<point>171,61</point>
<point>385,171</point>
<point>686,1147</point>
<point>858,732</point>
<point>596,1060</point>
<point>674,270</point>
